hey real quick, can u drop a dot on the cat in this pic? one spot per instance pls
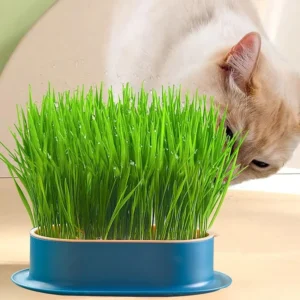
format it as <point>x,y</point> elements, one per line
<point>219,48</point>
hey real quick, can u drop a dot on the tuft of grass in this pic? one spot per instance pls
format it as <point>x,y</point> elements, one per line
<point>143,166</point>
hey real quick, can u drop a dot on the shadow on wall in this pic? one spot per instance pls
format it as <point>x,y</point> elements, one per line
<point>16,18</point>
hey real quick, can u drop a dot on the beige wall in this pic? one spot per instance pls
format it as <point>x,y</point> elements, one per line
<point>66,47</point>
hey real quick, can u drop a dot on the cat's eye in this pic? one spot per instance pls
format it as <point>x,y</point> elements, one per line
<point>229,133</point>
<point>260,164</point>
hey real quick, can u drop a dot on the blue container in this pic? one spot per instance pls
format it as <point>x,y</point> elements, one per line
<point>121,268</point>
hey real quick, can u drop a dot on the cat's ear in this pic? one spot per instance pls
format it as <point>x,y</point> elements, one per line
<point>241,61</point>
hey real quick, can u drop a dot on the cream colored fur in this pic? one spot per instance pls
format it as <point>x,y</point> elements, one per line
<point>219,48</point>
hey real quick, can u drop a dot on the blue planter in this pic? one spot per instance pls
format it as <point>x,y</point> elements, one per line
<point>121,268</point>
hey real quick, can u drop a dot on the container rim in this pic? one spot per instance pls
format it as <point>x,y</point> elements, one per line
<point>34,234</point>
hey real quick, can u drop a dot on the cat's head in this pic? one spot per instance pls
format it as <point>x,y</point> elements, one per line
<point>262,96</point>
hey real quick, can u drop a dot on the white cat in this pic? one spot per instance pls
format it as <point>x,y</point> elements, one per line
<point>219,48</point>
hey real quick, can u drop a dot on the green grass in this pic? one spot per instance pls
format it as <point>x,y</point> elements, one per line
<point>144,166</point>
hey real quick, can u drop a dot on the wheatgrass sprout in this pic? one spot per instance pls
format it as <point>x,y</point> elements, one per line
<point>145,166</point>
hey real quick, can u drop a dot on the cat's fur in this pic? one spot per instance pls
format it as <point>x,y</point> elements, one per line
<point>219,48</point>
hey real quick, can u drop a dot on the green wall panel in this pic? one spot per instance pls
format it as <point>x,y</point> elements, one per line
<point>16,18</point>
